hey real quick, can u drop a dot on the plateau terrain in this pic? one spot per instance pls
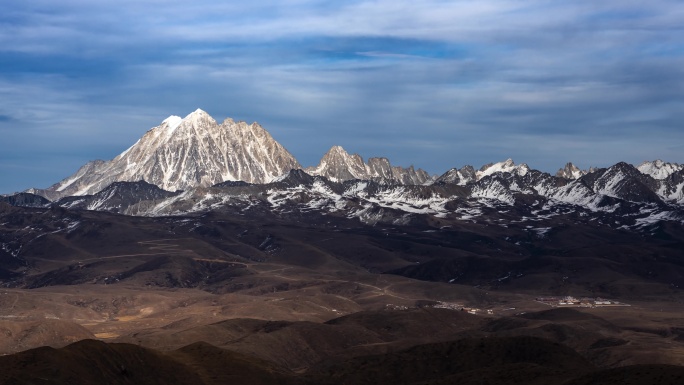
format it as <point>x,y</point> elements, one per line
<point>206,254</point>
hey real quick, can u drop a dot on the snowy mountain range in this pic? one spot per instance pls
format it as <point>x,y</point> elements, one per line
<point>196,151</point>
<point>619,196</point>
<point>193,164</point>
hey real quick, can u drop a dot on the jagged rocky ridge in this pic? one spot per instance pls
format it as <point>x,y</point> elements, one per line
<point>570,171</point>
<point>195,165</point>
<point>659,169</point>
<point>338,166</point>
<point>132,198</point>
<point>25,199</point>
<point>620,196</point>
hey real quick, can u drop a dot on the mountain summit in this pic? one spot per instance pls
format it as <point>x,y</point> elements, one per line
<point>338,165</point>
<point>186,152</point>
<point>570,171</point>
<point>659,169</point>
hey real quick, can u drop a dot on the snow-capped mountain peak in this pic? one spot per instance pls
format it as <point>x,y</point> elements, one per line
<point>338,165</point>
<point>570,171</point>
<point>506,166</point>
<point>198,116</point>
<point>659,169</point>
<point>184,153</point>
<point>172,122</point>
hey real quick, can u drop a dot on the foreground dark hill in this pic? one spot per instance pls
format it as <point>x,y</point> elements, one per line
<point>94,362</point>
<point>302,345</point>
<point>517,360</point>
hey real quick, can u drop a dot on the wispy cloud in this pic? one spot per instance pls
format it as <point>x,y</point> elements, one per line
<point>433,83</point>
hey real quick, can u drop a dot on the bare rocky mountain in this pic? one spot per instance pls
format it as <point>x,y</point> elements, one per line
<point>120,197</point>
<point>25,199</point>
<point>338,165</point>
<point>506,166</point>
<point>570,171</point>
<point>467,174</point>
<point>186,152</point>
<point>461,176</point>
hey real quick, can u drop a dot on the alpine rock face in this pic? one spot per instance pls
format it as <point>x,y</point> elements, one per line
<point>338,166</point>
<point>502,167</point>
<point>461,177</point>
<point>669,178</point>
<point>186,152</point>
<point>659,169</point>
<point>25,199</point>
<point>623,181</point>
<point>570,171</point>
<point>132,198</point>
<point>467,174</point>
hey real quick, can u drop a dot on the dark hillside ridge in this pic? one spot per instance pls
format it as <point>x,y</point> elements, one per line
<point>515,360</point>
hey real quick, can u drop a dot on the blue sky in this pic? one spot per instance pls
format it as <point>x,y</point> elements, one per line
<point>436,84</point>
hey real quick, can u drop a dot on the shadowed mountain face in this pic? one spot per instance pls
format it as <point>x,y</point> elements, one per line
<point>25,200</point>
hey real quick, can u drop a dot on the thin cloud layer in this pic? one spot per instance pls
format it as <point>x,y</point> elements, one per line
<point>437,84</point>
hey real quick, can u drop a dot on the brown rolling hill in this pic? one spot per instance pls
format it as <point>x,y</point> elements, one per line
<point>491,360</point>
<point>278,295</point>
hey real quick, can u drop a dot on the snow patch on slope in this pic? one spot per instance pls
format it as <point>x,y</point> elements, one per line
<point>659,169</point>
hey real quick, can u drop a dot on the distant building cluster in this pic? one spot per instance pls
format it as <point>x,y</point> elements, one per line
<point>448,305</point>
<point>568,301</point>
<point>390,306</point>
<point>460,307</point>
